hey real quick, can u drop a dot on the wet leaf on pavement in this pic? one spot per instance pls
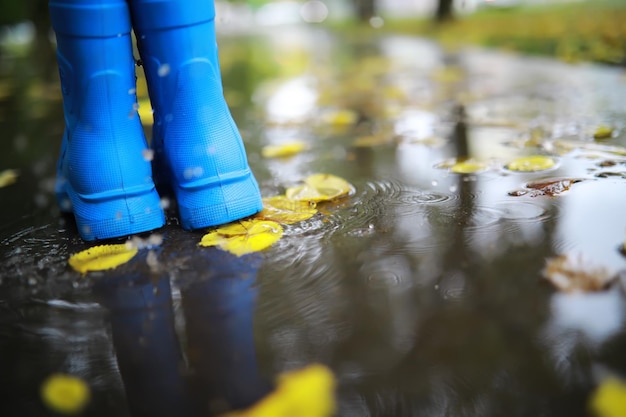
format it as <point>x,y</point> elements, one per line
<point>320,187</point>
<point>103,257</point>
<point>245,236</point>
<point>8,177</point>
<point>609,399</point>
<point>307,392</point>
<point>65,394</point>
<point>569,273</point>
<point>283,151</point>
<point>531,163</point>
<point>286,211</point>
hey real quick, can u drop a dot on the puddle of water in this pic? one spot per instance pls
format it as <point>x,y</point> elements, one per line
<point>422,291</point>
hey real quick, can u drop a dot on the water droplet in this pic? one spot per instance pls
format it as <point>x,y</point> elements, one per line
<point>132,91</point>
<point>148,154</point>
<point>163,70</point>
<point>86,230</point>
<point>165,203</point>
<point>453,188</point>
<point>376,22</point>
<point>169,117</point>
<point>434,183</point>
<point>118,215</point>
<point>197,172</point>
<point>32,281</point>
<point>188,173</point>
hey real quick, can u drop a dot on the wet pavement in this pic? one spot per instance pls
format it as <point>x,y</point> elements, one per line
<point>422,291</point>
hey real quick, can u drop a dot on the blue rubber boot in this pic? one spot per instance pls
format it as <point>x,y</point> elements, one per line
<point>103,178</point>
<point>199,153</point>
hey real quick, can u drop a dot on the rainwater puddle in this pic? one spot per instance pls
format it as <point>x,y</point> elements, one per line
<point>423,290</point>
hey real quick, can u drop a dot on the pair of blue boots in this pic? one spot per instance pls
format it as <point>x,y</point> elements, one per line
<point>105,171</point>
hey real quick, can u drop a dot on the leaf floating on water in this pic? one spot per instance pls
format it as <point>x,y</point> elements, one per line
<point>469,166</point>
<point>531,163</point>
<point>574,274</point>
<point>65,394</point>
<point>286,211</point>
<point>8,177</point>
<point>546,187</point>
<point>448,74</point>
<point>307,392</point>
<point>103,257</point>
<point>284,150</point>
<point>564,146</point>
<point>320,187</point>
<point>603,132</point>
<point>245,236</point>
<point>609,399</point>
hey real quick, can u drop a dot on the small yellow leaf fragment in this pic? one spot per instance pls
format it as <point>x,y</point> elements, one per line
<point>65,394</point>
<point>340,118</point>
<point>245,236</point>
<point>307,392</point>
<point>531,163</point>
<point>320,187</point>
<point>284,150</point>
<point>609,399</point>
<point>286,211</point>
<point>103,257</point>
<point>603,132</point>
<point>8,177</point>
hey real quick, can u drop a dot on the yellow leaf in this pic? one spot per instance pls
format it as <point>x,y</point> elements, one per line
<point>245,236</point>
<point>284,150</point>
<point>571,274</point>
<point>603,132</point>
<point>469,166</point>
<point>531,163</point>
<point>340,118</point>
<point>99,258</point>
<point>307,392</point>
<point>609,399</point>
<point>65,394</point>
<point>283,210</point>
<point>145,111</point>
<point>320,187</point>
<point>8,177</point>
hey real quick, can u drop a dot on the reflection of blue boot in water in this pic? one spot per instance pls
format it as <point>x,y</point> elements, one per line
<point>219,313</point>
<point>147,349</point>
<point>104,177</point>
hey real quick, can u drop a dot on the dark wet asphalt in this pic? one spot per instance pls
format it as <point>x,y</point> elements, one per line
<point>422,291</point>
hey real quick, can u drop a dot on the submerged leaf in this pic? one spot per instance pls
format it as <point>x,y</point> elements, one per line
<point>320,187</point>
<point>573,274</point>
<point>531,163</point>
<point>100,258</point>
<point>284,210</point>
<point>8,177</point>
<point>307,392</point>
<point>65,394</point>
<point>284,150</point>
<point>245,236</point>
<point>609,399</point>
<point>370,141</point>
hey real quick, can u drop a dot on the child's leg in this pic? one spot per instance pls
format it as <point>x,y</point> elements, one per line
<point>104,176</point>
<point>199,151</point>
